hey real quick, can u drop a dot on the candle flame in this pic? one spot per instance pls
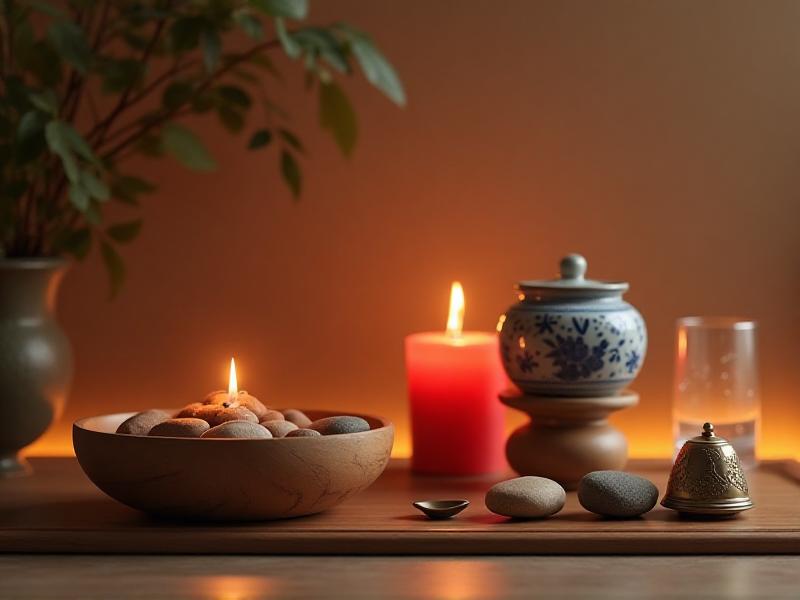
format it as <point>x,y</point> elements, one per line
<point>233,386</point>
<point>455,319</point>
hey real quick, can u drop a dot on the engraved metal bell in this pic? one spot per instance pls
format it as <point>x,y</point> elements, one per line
<point>707,478</point>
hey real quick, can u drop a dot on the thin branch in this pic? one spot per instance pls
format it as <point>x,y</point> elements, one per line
<point>165,116</point>
<point>98,133</point>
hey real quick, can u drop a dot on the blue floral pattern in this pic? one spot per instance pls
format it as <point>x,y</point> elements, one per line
<point>596,347</point>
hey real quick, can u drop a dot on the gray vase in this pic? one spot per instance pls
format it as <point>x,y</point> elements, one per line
<point>35,356</point>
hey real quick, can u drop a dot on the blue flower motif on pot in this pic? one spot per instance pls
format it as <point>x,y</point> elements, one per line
<point>572,336</point>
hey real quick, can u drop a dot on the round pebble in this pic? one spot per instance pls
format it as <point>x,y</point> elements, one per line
<point>238,429</point>
<point>303,433</point>
<point>279,429</point>
<point>526,497</point>
<point>216,415</point>
<point>251,403</point>
<point>617,494</point>
<point>272,415</point>
<point>338,425</point>
<point>298,417</point>
<point>183,427</point>
<point>141,423</point>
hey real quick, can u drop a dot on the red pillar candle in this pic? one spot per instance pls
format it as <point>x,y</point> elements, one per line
<point>454,377</point>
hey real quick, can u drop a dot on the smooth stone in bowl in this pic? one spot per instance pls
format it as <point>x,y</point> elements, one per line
<point>231,479</point>
<point>251,403</point>
<point>141,423</point>
<point>617,494</point>
<point>527,497</point>
<point>303,433</point>
<point>233,413</point>
<point>238,429</point>
<point>184,427</point>
<point>298,417</point>
<point>339,425</point>
<point>278,429</point>
<point>272,415</point>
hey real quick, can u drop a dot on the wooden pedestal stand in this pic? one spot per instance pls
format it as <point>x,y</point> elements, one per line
<point>567,436</point>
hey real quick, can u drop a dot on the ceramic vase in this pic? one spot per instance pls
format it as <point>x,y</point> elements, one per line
<point>572,336</point>
<point>35,356</point>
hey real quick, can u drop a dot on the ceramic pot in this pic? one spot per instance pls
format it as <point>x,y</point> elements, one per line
<point>572,336</point>
<point>35,356</point>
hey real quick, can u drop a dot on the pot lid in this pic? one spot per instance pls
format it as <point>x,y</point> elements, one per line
<point>573,282</point>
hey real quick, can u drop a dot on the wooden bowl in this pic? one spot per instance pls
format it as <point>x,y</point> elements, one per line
<point>231,479</point>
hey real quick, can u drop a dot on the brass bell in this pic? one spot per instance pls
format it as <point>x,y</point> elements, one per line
<point>707,478</point>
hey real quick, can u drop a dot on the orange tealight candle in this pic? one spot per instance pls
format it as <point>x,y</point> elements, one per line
<point>454,377</point>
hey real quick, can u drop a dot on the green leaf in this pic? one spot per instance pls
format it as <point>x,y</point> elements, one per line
<point>336,114</point>
<point>291,9</point>
<point>124,232</point>
<point>30,136</point>
<point>260,138</point>
<point>290,171</point>
<point>323,42</point>
<point>187,148</point>
<point>77,242</point>
<point>212,48</point>
<point>230,118</point>
<point>176,94</point>
<point>69,41</point>
<point>203,103</point>
<point>58,142</point>
<point>78,197</point>
<point>94,187</point>
<point>119,75</point>
<point>235,95</point>
<point>45,101</point>
<point>184,35</point>
<point>114,266</point>
<point>290,46</point>
<point>92,214</point>
<point>378,71</point>
<point>127,188</point>
<point>249,24</point>
<point>44,62</point>
<point>292,140</point>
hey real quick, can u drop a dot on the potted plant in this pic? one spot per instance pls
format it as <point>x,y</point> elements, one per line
<point>88,84</point>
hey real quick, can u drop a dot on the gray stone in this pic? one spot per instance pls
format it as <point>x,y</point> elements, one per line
<point>141,423</point>
<point>617,494</point>
<point>238,429</point>
<point>337,425</point>
<point>526,497</point>
<point>183,427</point>
<point>280,428</point>
<point>298,417</point>
<point>303,433</point>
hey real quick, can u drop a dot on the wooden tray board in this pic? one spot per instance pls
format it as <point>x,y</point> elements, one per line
<point>59,510</point>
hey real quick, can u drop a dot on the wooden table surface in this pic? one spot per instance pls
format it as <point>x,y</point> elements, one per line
<point>59,510</point>
<point>32,507</point>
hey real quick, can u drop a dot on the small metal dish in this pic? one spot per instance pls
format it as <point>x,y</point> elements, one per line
<point>440,509</point>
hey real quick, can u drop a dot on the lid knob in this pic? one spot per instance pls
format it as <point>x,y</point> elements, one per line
<point>573,266</point>
<point>708,430</point>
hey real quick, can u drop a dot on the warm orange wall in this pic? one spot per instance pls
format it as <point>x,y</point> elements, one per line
<point>660,139</point>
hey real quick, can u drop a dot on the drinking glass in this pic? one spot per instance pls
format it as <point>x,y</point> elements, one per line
<point>716,380</point>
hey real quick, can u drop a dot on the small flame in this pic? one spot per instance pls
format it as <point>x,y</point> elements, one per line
<point>233,386</point>
<point>500,322</point>
<point>455,320</point>
<point>521,343</point>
